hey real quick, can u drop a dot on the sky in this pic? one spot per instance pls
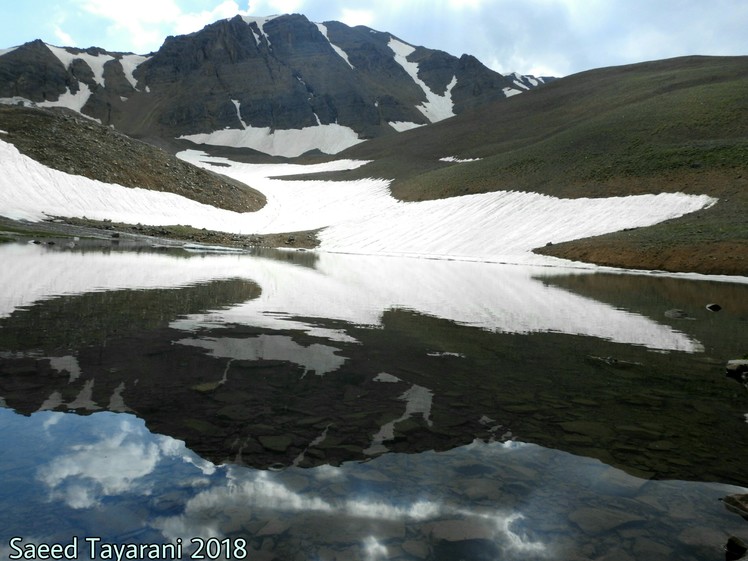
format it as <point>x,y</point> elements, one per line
<point>540,37</point>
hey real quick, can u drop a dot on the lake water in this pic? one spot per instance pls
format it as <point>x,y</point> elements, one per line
<point>285,405</point>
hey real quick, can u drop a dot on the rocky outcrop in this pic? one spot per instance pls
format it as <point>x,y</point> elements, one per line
<point>34,73</point>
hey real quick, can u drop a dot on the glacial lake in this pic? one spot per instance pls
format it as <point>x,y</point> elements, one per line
<point>303,406</point>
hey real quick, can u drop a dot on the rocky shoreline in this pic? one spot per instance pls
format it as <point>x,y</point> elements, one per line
<point>65,230</point>
<point>727,257</point>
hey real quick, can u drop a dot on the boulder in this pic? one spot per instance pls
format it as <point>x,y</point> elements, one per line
<point>737,370</point>
<point>737,504</point>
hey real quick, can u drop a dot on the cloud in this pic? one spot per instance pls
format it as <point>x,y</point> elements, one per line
<point>556,37</point>
<point>471,4</point>
<point>189,22</point>
<point>356,17</point>
<point>286,6</point>
<point>143,24</point>
<point>63,37</point>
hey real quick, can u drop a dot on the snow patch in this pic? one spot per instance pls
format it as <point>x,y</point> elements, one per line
<point>500,226</point>
<point>290,143</point>
<point>6,51</point>
<point>260,23</point>
<point>509,92</point>
<point>74,101</point>
<point>239,112</point>
<point>436,107</point>
<point>129,64</point>
<point>94,62</point>
<point>323,29</point>
<point>456,160</point>
<point>402,126</point>
<point>386,378</point>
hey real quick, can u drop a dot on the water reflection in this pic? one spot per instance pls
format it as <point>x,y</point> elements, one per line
<point>359,289</point>
<point>320,359</point>
<point>353,289</point>
<point>106,475</point>
<point>270,376</point>
<point>260,361</point>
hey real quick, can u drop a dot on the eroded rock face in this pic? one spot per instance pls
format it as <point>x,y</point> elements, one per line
<point>34,73</point>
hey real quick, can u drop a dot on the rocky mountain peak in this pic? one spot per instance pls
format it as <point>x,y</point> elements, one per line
<point>281,85</point>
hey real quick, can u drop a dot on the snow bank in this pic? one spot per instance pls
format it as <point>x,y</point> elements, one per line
<point>357,216</point>
<point>503,226</point>
<point>129,64</point>
<point>70,100</point>
<point>436,107</point>
<point>260,22</point>
<point>323,29</point>
<point>290,143</point>
<point>94,62</point>
<point>456,160</point>
<point>402,126</point>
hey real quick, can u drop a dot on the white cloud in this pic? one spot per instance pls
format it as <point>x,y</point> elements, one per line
<point>532,36</point>
<point>472,4</point>
<point>356,17</point>
<point>286,6</point>
<point>64,38</point>
<point>144,24</point>
<point>189,22</point>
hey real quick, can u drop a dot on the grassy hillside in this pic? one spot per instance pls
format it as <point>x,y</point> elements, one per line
<point>671,125</point>
<point>68,142</point>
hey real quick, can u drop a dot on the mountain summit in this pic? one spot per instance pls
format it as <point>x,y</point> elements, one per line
<point>280,85</point>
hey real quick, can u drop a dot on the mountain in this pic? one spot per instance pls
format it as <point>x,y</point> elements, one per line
<point>676,125</point>
<point>541,170</point>
<point>280,85</point>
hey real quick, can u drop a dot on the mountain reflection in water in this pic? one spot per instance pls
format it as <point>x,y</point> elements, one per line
<point>271,373</point>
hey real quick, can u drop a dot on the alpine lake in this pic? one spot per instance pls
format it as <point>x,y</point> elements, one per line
<point>157,403</point>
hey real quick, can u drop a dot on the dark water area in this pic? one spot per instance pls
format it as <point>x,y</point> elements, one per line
<point>289,405</point>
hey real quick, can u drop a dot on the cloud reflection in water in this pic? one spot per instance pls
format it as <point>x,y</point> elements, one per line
<point>509,499</point>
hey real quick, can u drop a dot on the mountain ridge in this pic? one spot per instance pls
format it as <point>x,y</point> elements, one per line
<point>256,82</point>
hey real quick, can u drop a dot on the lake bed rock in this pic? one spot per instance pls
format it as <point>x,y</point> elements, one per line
<point>601,520</point>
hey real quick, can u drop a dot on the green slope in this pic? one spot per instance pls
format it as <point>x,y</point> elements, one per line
<point>673,125</point>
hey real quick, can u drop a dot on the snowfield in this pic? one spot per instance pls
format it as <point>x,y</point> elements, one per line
<point>289,143</point>
<point>354,216</point>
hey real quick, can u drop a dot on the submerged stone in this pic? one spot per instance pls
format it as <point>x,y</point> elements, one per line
<point>737,504</point>
<point>677,314</point>
<point>275,443</point>
<point>589,428</point>
<point>600,520</point>
<point>735,549</point>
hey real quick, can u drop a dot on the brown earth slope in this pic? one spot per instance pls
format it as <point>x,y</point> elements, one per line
<point>67,142</point>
